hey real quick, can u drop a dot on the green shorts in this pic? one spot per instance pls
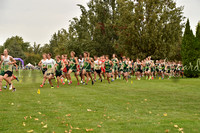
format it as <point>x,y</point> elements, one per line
<point>87,69</point>
<point>115,68</point>
<point>73,68</point>
<point>125,70</point>
<point>108,71</point>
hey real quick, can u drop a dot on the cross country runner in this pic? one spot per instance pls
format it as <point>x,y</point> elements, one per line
<point>8,61</point>
<point>125,68</point>
<point>87,68</point>
<point>49,74</point>
<point>58,69</point>
<point>108,65</point>
<point>64,74</point>
<point>43,65</point>
<point>73,67</point>
<point>97,68</point>
<point>115,67</point>
<point>1,73</point>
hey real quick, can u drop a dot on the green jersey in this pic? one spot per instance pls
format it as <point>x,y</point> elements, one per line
<point>108,66</point>
<point>59,66</point>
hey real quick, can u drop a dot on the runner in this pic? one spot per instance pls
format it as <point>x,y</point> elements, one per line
<point>43,65</point>
<point>13,77</point>
<point>97,68</point>
<point>125,68</point>
<point>8,61</point>
<point>103,71</point>
<point>108,65</point>
<point>59,66</point>
<point>1,72</point>
<point>49,74</point>
<point>64,77</point>
<point>87,68</point>
<point>120,69</point>
<point>115,67</point>
<point>73,67</point>
<point>81,62</point>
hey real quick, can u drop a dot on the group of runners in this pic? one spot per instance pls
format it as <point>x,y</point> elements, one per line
<point>86,68</point>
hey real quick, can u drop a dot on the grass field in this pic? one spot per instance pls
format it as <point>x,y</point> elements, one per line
<point>154,106</point>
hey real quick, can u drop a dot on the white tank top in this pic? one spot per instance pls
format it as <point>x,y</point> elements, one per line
<point>44,62</point>
<point>6,60</point>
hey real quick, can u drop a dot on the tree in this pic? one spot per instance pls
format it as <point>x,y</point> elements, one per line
<point>198,32</point>
<point>15,46</point>
<point>189,52</point>
<point>58,43</point>
<point>16,40</point>
<point>36,48</point>
<point>136,28</point>
<point>150,27</point>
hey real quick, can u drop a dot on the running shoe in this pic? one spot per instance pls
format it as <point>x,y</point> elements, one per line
<point>17,79</point>
<point>65,80</point>
<point>41,86</point>
<point>52,87</point>
<point>5,87</point>
<point>10,88</point>
<point>112,80</point>
<point>70,83</point>
<point>92,82</point>
<point>0,89</point>
<point>13,90</point>
<point>57,86</point>
<point>78,83</point>
<point>63,83</point>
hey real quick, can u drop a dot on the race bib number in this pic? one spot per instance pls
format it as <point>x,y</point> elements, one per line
<point>49,66</point>
<point>6,67</point>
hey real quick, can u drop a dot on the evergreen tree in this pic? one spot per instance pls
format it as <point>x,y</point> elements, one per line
<point>189,52</point>
<point>198,32</point>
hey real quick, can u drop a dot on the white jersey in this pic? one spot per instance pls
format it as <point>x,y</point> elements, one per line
<point>50,63</point>
<point>44,63</point>
<point>97,65</point>
<point>6,61</point>
<point>80,62</point>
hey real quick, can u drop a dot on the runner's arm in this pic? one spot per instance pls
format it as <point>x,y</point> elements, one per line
<point>13,61</point>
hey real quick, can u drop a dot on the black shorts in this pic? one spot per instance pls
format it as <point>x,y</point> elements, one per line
<point>48,74</point>
<point>67,68</point>
<point>58,73</point>
<point>139,70</point>
<point>98,71</point>
<point>9,73</point>
<point>44,70</point>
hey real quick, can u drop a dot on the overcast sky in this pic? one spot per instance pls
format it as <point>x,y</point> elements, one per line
<point>37,20</point>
